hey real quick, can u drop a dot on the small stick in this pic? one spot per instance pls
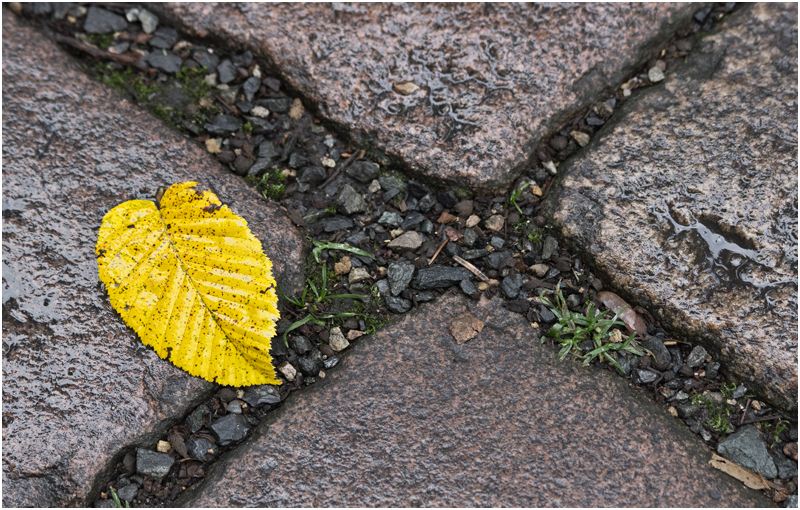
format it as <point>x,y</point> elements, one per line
<point>474,270</point>
<point>446,240</point>
<point>357,155</point>
<point>101,54</point>
<point>766,418</point>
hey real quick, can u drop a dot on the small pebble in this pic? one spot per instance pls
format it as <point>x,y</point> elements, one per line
<point>655,74</point>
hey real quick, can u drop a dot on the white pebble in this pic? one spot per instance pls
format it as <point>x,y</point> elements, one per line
<point>259,111</point>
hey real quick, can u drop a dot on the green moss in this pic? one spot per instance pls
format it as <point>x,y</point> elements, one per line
<point>718,415</point>
<point>462,193</point>
<point>271,184</point>
<point>114,78</point>
<point>102,41</point>
<point>168,115</point>
<point>123,81</point>
<point>193,83</point>
<point>248,128</point>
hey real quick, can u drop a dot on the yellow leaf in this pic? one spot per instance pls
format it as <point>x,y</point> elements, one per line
<point>194,283</point>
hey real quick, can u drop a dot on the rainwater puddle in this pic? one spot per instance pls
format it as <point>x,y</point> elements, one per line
<point>726,258</point>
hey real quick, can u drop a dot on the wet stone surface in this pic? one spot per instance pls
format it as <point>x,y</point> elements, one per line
<point>456,93</point>
<point>78,385</point>
<point>697,218</point>
<point>406,422</point>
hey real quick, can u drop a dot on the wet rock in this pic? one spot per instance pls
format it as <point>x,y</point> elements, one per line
<point>697,357</point>
<point>257,396</point>
<point>644,376</point>
<point>250,87</point>
<point>497,242</point>
<point>311,363</point>
<point>686,410</point>
<point>448,199</point>
<point>312,174</point>
<point>655,74</point>
<point>739,392</point>
<point>301,344</point>
<point>581,50</point>
<point>397,304</point>
<point>390,219</point>
<point>495,223</point>
<point>337,223</point>
<point>546,315</point>
<point>358,274</point>
<point>478,397</point>
<point>412,220</point>
<point>337,341</point>
<point>350,200</point>
<point>363,171</point>
<point>426,203</point>
<point>399,275</point>
<point>112,391</point>
<point>659,350</point>
<point>200,448</point>
<point>259,166</point>
<point>226,394</point>
<point>101,21</point>
<point>699,263</point>
<point>196,420</point>
<point>417,190</point>
<point>712,370</point>
<point>208,60</point>
<point>229,429</point>
<point>227,72</point>
<point>224,125</point>
<point>128,492</point>
<point>153,464</point>
<point>497,258</point>
<point>148,19</point>
<point>164,38</point>
<point>786,467</point>
<point>165,61</point>
<point>440,277</point>
<point>408,241</point>
<point>746,448</point>
<point>464,208</point>
<point>511,285</point>
<point>469,288</point>
<point>234,407</point>
<point>677,359</point>
<point>297,160</point>
<point>549,248</point>
<point>242,164</point>
<point>470,236</point>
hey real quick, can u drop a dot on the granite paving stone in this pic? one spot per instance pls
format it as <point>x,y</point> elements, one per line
<point>460,93</point>
<point>78,385</point>
<point>687,200</point>
<point>413,419</point>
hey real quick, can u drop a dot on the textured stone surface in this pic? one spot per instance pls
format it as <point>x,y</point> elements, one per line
<point>493,79</point>
<point>412,419</point>
<point>78,385</point>
<point>688,201</point>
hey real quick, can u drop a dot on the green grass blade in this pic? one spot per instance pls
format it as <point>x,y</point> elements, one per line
<point>347,296</point>
<point>296,325</point>
<point>293,301</point>
<point>326,245</point>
